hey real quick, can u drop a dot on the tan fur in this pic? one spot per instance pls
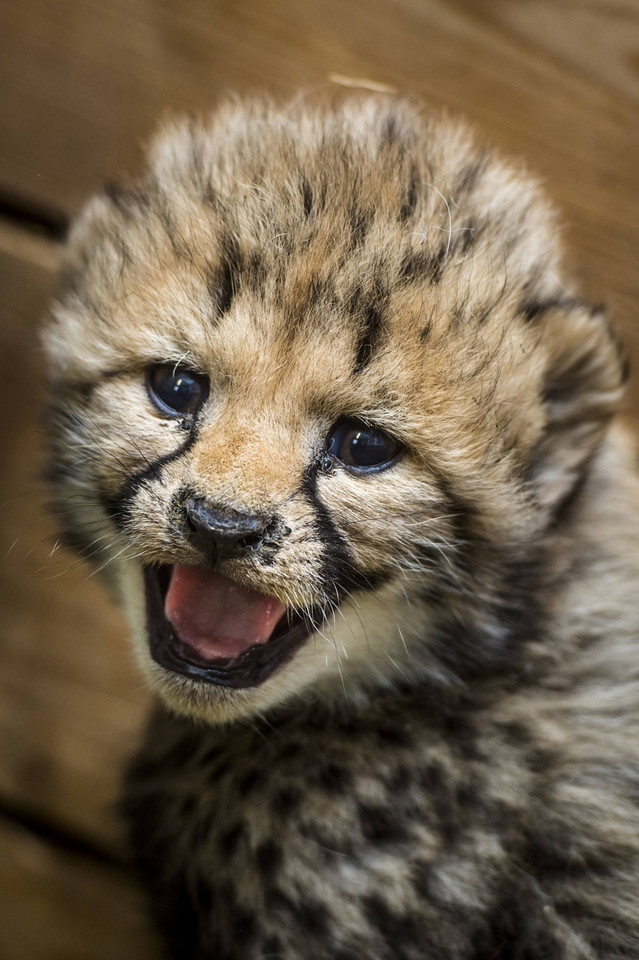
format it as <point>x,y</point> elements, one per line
<point>367,260</point>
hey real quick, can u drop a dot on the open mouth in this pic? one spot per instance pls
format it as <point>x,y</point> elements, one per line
<point>207,627</point>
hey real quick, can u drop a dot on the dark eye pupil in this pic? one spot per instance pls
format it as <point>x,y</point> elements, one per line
<point>359,446</point>
<point>368,448</point>
<point>176,391</point>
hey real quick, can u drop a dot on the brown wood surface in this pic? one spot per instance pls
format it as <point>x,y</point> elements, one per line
<point>71,700</point>
<point>83,83</point>
<point>64,906</point>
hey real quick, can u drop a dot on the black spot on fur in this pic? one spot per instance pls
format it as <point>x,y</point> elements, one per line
<point>400,931</point>
<point>250,781</point>
<point>309,915</point>
<point>431,777</point>
<point>346,954</point>
<point>441,790</point>
<point>173,905</point>
<point>245,927</point>
<point>272,948</point>
<point>290,750</point>
<point>467,236</point>
<point>221,768</point>
<point>394,736</point>
<point>468,794</point>
<point>177,921</point>
<point>223,283</point>
<point>278,900</point>
<point>360,221</point>
<point>469,178</point>
<point>422,878</point>
<point>313,917</point>
<point>307,197</point>
<point>203,896</point>
<point>518,732</point>
<point>223,921</point>
<point>552,850</point>
<point>507,616</point>
<point>381,824</point>
<point>125,199</point>
<point>187,807</point>
<point>423,264</point>
<point>368,338</point>
<point>268,859</point>
<point>212,755</point>
<point>460,512</point>
<point>533,308</point>
<point>426,330</point>
<point>390,131</point>
<point>516,929</point>
<point>255,269</point>
<point>286,801</point>
<point>228,841</point>
<point>400,780</point>
<point>299,305</point>
<point>334,778</point>
<point>410,196</point>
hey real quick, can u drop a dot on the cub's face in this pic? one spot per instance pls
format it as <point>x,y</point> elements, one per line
<point>316,397</point>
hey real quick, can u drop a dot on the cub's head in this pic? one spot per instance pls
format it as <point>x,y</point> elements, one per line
<point>317,394</point>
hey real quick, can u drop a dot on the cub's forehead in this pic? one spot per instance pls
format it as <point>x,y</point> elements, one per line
<point>318,239</point>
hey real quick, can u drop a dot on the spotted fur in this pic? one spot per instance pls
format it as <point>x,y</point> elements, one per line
<point>449,766</point>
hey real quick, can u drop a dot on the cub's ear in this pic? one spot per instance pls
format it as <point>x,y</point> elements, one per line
<point>585,372</point>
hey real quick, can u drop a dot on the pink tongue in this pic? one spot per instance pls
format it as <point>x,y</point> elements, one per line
<point>216,616</point>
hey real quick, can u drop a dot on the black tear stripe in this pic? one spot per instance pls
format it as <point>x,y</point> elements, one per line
<point>340,576</point>
<point>118,506</point>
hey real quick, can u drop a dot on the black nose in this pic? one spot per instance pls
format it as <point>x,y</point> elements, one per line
<point>222,533</point>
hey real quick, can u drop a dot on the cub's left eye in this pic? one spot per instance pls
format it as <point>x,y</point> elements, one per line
<point>176,392</point>
<point>361,447</point>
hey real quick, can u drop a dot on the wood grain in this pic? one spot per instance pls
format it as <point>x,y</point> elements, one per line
<point>61,906</point>
<point>71,700</point>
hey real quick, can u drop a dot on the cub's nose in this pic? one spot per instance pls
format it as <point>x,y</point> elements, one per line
<point>222,533</point>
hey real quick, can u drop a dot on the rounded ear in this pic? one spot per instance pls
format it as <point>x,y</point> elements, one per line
<point>584,379</point>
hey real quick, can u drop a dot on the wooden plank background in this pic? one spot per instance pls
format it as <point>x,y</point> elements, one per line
<point>83,83</point>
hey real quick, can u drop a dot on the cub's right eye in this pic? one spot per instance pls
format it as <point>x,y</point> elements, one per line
<point>176,392</point>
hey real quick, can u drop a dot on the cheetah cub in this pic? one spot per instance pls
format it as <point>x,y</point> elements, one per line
<point>337,432</point>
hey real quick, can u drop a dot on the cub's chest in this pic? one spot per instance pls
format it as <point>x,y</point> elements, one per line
<point>328,828</point>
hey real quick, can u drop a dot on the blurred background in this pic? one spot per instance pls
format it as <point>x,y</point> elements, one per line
<point>82,85</point>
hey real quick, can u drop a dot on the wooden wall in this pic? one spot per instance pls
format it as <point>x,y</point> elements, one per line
<point>82,85</point>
